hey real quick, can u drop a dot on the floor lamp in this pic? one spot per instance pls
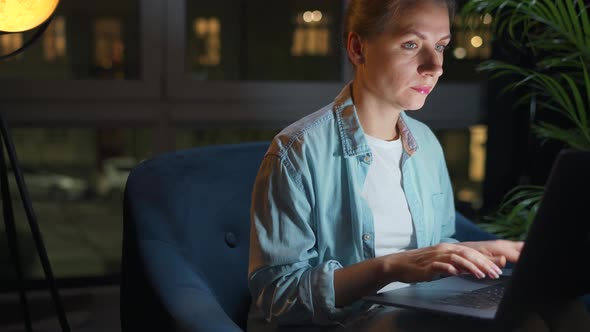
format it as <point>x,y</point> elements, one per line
<point>17,16</point>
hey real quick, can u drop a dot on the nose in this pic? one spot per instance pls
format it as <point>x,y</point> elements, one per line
<point>431,63</point>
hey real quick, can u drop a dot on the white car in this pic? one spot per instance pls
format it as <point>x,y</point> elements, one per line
<point>113,176</point>
<point>45,184</point>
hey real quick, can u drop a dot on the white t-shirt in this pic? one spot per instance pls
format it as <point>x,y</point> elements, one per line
<point>394,230</point>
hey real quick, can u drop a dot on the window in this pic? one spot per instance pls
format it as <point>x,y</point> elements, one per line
<point>85,40</point>
<point>10,42</point>
<point>465,153</point>
<point>264,40</point>
<point>75,178</point>
<point>109,48</point>
<point>473,37</point>
<point>471,43</point>
<point>189,138</point>
<point>312,34</point>
<point>207,41</point>
<point>54,40</point>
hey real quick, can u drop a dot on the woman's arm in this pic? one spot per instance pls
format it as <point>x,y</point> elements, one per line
<point>289,285</point>
<point>353,282</point>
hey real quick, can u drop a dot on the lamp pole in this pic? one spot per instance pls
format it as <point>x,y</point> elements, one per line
<point>11,234</point>
<point>19,16</point>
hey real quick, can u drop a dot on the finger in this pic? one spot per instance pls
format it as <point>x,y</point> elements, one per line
<point>513,254</point>
<point>511,246</point>
<point>444,268</point>
<point>500,261</point>
<point>484,263</point>
<point>466,265</point>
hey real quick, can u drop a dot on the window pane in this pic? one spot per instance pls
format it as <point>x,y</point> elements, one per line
<point>189,138</point>
<point>75,178</point>
<point>470,45</point>
<point>465,154</point>
<point>85,40</point>
<point>264,40</point>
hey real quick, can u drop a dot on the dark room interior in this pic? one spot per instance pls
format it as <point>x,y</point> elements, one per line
<point>110,85</point>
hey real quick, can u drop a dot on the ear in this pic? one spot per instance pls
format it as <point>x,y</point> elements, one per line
<point>354,48</point>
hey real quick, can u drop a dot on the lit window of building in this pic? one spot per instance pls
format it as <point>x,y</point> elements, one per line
<point>54,40</point>
<point>10,42</point>
<point>477,152</point>
<point>109,49</point>
<point>208,41</point>
<point>311,36</point>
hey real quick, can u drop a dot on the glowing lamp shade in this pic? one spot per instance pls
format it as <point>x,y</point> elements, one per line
<point>23,15</point>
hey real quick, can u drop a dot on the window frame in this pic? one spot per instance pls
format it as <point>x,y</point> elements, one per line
<point>223,96</point>
<point>166,98</point>
<point>147,87</point>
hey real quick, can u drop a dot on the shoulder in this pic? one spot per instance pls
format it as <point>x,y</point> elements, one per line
<point>314,129</point>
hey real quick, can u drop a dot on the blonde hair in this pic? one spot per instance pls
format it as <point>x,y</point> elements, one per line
<point>369,18</point>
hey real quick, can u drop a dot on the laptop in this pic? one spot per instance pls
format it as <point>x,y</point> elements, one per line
<point>553,267</point>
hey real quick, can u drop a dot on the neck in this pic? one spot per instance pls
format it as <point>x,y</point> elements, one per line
<point>377,118</point>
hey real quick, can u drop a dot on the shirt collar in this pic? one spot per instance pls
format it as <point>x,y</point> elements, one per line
<point>351,131</point>
<point>408,140</point>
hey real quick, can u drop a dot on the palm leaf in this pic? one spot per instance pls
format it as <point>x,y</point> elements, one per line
<point>571,137</point>
<point>579,117</point>
<point>514,216</point>
<point>555,34</point>
<point>586,84</point>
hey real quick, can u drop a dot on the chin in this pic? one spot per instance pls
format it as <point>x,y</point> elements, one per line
<point>413,102</point>
<point>414,106</point>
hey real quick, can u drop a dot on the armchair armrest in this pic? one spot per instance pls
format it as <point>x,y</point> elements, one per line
<point>184,291</point>
<point>202,312</point>
<point>466,230</point>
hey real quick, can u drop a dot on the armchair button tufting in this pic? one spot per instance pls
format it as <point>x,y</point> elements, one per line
<point>231,239</point>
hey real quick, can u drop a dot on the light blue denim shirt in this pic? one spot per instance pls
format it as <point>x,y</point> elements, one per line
<point>308,217</point>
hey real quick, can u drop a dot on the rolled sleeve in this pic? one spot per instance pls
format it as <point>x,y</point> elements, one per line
<point>287,282</point>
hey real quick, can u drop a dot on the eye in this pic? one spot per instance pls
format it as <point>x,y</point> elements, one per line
<point>410,45</point>
<point>441,48</point>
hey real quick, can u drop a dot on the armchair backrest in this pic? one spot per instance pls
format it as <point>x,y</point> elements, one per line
<point>187,227</point>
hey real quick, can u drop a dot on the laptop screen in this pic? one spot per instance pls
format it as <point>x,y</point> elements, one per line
<point>554,264</point>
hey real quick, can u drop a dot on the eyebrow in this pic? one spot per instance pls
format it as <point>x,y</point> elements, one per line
<point>421,35</point>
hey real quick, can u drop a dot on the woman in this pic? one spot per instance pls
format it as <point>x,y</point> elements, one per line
<point>356,196</point>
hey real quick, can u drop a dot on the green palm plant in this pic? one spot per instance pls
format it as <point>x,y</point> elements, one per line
<point>556,35</point>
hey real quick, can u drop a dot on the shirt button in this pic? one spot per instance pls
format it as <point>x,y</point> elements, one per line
<point>367,158</point>
<point>366,237</point>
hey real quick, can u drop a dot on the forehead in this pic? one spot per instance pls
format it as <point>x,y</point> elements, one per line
<point>427,15</point>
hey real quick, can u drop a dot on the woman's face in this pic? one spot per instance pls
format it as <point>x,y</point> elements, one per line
<point>401,66</point>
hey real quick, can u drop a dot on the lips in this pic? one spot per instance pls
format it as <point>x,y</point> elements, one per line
<point>422,89</point>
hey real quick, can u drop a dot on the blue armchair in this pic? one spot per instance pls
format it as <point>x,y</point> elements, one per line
<point>185,240</point>
<point>186,236</point>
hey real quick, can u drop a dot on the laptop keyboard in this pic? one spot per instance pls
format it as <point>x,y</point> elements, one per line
<point>482,298</point>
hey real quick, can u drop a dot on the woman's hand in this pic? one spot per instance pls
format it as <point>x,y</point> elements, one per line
<point>446,258</point>
<point>498,251</point>
<point>478,258</point>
